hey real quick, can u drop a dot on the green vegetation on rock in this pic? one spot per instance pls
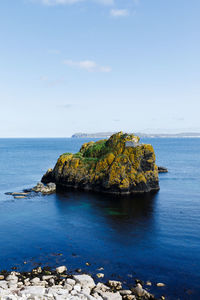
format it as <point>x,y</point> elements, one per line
<point>117,165</point>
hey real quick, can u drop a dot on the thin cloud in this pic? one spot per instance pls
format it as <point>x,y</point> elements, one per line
<point>88,65</point>
<point>119,12</point>
<point>57,2</point>
<point>68,2</point>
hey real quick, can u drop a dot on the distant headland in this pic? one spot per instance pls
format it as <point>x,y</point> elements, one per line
<point>100,135</point>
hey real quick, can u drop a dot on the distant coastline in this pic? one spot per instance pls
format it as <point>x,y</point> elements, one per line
<point>142,135</point>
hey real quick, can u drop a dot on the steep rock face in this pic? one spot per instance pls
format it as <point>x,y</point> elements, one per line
<point>117,165</point>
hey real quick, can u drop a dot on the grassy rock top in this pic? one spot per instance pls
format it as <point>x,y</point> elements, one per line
<point>117,165</point>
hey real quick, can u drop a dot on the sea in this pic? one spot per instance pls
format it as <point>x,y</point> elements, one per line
<point>151,237</point>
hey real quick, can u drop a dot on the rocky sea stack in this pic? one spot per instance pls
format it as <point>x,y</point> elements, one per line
<point>118,165</point>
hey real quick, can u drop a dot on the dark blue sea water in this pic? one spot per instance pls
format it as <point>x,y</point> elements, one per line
<point>154,237</point>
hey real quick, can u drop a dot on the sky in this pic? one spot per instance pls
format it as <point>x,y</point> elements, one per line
<point>71,66</point>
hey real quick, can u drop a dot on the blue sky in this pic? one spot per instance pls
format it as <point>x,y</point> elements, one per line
<point>99,65</point>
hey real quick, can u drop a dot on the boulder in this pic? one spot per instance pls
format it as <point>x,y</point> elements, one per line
<point>118,165</point>
<point>129,297</point>
<point>33,291</point>
<point>70,281</point>
<point>100,287</point>
<point>115,284</point>
<point>12,278</point>
<point>85,280</point>
<point>3,284</point>
<point>111,296</point>
<point>100,275</point>
<point>35,280</point>
<point>45,189</point>
<point>140,292</point>
<point>61,269</point>
<point>125,292</point>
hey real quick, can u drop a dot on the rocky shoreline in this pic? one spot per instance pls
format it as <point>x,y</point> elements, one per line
<point>59,284</point>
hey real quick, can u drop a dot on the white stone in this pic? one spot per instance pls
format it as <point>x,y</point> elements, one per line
<point>35,280</point>
<point>111,296</point>
<point>77,287</point>
<point>12,285</point>
<point>96,296</point>
<point>73,292</point>
<point>68,287</point>
<point>88,296</point>
<point>52,281</point>
<point>125,292</point>
<point>34,290</point>
<point>12,278</point>
<point>56,286</point>
<point>60,291</point>
<point>85,280</point>
<point>47,277</point>
<point>100,287</point>
<point>3,284</point>
<point>15,273</point>
<point>20,284</point>
<point>61,269</point>
<point>85,290</point>
<point>71,281</point>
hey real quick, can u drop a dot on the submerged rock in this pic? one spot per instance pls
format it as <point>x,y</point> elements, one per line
<point>160,284</point>
<point>117,165</point>
<point>19,197</point>
<point>100,275</point>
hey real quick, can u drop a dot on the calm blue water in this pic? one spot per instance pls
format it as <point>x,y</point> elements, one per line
<point>154,238</point>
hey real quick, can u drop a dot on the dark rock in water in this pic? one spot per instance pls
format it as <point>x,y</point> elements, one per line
<point>48,177</point>
<point>78,270</point>
<point>118,165</point>
<point>45,189</point>
<point>162,170</point>
<point>27,190</point>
